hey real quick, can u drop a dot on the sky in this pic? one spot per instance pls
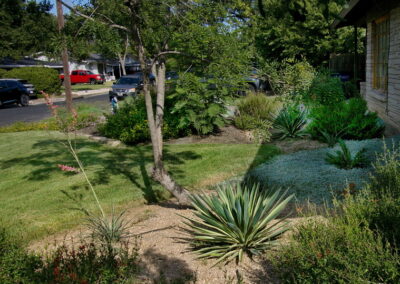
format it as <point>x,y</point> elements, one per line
<point>54,11</point>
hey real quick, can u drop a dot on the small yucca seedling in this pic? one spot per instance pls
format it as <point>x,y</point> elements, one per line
<point>290,123</point>
<point>238,220</point>
<point>109,230</point>
<point>343,159</point>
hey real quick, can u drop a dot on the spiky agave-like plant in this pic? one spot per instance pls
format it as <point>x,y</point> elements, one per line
<point>343,159</point>
<point>237,221</point>
<point>290,123</point>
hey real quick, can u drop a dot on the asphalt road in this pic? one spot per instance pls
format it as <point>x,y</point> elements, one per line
<point>13,113</point>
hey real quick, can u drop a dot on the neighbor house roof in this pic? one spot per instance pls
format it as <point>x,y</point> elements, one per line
<point>27,62</point>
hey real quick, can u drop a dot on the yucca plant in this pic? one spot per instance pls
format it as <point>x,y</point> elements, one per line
<point>238,220</point>
<point>109,231</point>
<point>290,123</point>
<point>343,159</point>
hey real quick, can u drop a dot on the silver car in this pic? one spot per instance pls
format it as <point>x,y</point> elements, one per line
<point>126,86</point>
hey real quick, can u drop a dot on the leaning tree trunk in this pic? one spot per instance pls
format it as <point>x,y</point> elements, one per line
<point>159,173</point>
<point>122,63</point>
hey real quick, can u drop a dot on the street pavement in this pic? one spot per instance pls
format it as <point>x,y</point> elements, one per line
<point>13,113</point>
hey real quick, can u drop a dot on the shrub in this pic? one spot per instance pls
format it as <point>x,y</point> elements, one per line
<point>90,263</point>
<point>336,250</point>
<point>255,112</point>
<point>199,104</point>
<point>386,178</point>
<point>325,90</point>
<point>16,265</point>
<point>290,122</point>
<point>129,124</point>
<point>236,221</point>
<point>346,120</point>
<point>307,174</point>
<point>288,77</point>
<point>44,79</point>
<point>343,159</point>
<point>350,89</point>
<point>2,73</point>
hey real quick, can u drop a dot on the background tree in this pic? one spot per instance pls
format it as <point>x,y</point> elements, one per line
<point>27,27</point>
<point>195,30</point>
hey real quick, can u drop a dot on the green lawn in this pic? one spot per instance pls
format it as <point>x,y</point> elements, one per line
<point>31,186</point>
<point>88,87</point>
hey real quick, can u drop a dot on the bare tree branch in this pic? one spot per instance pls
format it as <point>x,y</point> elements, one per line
<point>110,22</point>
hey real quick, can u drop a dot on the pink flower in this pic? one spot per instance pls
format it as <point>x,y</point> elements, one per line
<point>66,168</point>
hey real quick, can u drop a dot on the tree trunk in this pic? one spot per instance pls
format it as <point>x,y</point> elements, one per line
<point>159,173</point>
<point>121,59</point>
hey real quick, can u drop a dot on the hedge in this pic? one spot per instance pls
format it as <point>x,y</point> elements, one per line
<point>44,79</point>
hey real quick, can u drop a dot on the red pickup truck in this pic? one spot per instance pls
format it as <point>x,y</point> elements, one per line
<point>85,76</point>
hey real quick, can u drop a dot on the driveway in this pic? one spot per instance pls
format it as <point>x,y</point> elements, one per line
<point>11,114</point>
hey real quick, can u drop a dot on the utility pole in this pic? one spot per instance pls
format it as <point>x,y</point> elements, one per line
<point>64,55</point>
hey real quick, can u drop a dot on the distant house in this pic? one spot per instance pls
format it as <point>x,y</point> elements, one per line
<point>381,88</point>
<point>9,63</point>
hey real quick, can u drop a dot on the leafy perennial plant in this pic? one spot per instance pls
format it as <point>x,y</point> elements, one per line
<point>237,221</point>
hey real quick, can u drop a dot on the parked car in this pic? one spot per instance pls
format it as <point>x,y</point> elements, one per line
<point>13,91</point>
<point>129,85</point>
<point>27,85</point>
<point>85,76</point>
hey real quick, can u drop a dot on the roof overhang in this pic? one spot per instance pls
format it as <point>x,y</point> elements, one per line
<point>353,15</point>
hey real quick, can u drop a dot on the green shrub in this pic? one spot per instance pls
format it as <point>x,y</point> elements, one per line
<point>2,73</point>
<point>288,77</point>
<point>386,178</point>
<point>44,79</point>
<point>343,159</point>
<point>129,124</point>
<point>16,265</point>
<point>199,104</point>
<point>336,250</point>
<point>290,122</point>
<point>347,120</point>
<point>236,221</point>
<point>350,89</point>
<point>256,112</point>
<point>90,263</point>
<point>325,90</point>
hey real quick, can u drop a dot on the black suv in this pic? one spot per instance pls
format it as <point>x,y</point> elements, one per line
<point>13,91</point>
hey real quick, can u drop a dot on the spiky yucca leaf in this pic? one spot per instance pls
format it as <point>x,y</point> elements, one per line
<point>290,123</point>
<point>343,159</point>
<point>237,221</point>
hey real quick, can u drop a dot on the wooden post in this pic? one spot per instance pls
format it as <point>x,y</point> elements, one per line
<point>64,55</point>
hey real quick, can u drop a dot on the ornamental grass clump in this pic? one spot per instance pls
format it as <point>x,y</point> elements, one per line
<point>290,122</point>
<point>343,159</point>
<point>238,220</point>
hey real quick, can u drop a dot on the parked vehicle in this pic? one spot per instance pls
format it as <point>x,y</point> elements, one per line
<point>85,76</point>
<point>13,91</point>
<point>27,85</point>
<point>129,85</point>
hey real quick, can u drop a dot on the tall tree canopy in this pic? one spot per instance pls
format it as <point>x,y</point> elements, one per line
<point>26,27</point>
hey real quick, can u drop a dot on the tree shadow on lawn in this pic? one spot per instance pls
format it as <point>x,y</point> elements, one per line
<point>103,162</point>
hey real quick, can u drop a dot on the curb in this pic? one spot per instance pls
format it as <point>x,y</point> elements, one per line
<point>75,96</point>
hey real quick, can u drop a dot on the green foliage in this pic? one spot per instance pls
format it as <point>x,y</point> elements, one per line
<point>236,221</point>
<point>2,73</point>
<point>256,112</point>
<point>199,104</point>
<point>348,120</point>
<point>350,89</point>
<point>27,27</point>
<point>130,126</point>
<point>290,122</point>
<point>386,178</point>
<point>336,250</point>
<point>343,159</point>
<point>44,79</point>
<point>288,77</point>
<point>325,90</point>
<point>297,28</point>
<point>16,265</point>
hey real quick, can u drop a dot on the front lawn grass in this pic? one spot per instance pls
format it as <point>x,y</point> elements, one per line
<point>32,201</point>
